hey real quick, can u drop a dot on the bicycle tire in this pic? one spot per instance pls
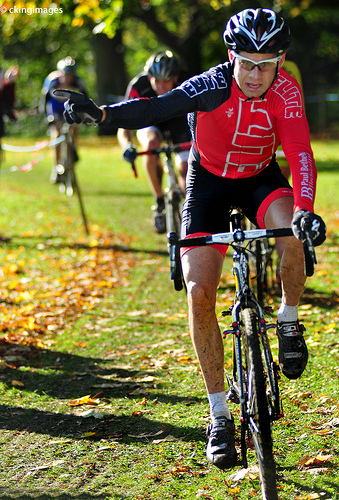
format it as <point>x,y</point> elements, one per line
<point>258,416</point>
<point>264,269</point>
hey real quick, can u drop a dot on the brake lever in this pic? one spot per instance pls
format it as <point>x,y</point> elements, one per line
<point>305,226</point>
<point>310,257</point>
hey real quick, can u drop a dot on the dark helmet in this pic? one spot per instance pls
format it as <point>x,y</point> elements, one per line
<point>162,66</point>
<point>67,66</point>
<point>257,30</point>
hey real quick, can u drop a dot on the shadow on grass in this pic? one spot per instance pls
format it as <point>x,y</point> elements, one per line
<point>62,496</point>
<point>118,428</point>
<point>67,376</point>
<point>321,299</point>
<point>326,490</point>
<point>54,242</point>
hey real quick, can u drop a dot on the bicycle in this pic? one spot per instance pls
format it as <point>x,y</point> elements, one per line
<point>173,194</point>
<point>68,156</point>
<point>66,177</point>
<point>255,373</point>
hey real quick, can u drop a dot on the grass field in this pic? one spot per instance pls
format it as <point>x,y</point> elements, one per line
<point>100,392</point>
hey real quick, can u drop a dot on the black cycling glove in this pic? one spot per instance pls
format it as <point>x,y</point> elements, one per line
<point>79,108</point>
<point>130,153</point>
<point>304,219</point>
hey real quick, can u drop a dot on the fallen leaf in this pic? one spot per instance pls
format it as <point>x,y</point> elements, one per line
<point>166,439</point>
<point>308,461</point>
<point>17,383</point>
<point>146,434</point>
<point>85,400</point>
<point>93,413</point>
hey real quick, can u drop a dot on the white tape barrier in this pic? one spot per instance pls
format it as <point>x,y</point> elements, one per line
<point>37,147</point>
<point>30,149</point>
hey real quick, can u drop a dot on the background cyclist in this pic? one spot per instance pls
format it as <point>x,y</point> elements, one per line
<point>8,80</point>
<point>160,75</point>
<point>239,113</point>
<point>64,77</point>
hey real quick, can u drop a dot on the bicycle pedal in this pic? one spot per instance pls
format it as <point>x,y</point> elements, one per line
<point>268,309</point>
<point>226,313</point>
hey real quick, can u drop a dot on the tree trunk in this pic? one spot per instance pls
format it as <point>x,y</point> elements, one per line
<point>111,74</point>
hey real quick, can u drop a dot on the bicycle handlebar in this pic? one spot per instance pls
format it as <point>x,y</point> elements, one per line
<point>239,236</point>
<point>169,148</point>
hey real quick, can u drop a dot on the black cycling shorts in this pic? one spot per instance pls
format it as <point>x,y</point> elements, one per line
<point>210,197</point>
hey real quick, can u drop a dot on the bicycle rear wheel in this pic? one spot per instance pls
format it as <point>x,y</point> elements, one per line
<point>259,421</point>
<point>263,264</point>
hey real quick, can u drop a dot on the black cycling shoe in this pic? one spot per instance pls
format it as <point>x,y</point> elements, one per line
<point>220,449</point>
<point>159,217</point>
<point>293,354</point>
<point>159,222</point>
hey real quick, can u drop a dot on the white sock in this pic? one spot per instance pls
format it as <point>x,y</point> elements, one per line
<point>218,405</point>
<point>287,313</point>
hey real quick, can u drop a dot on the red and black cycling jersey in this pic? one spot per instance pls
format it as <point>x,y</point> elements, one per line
<point>140,86</point>
<point>234,136</point>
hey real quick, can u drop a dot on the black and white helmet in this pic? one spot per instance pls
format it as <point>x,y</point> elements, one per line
<point>162,66</point>
<point>257,30</point>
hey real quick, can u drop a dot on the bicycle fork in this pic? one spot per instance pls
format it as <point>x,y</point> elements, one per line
<point>238,390</point>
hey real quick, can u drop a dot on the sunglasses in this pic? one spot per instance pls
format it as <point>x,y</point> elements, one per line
<point>249,65</point>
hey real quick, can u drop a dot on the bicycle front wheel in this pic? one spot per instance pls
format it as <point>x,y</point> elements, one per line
<point>259,421</point>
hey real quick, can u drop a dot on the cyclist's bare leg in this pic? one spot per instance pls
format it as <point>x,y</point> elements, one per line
<point>150,139</point>
<point>279,214</point>
<point>202,268</point>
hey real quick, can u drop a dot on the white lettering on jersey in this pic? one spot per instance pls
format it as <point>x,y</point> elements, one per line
<point>199,84</point>
<point>291,95</point>
<point>253,137</point>
<point>306,172</point>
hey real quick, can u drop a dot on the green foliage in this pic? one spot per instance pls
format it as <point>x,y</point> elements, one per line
<point>189,28</point>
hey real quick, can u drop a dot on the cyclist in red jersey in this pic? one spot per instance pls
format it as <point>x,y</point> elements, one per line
<point>161,74</point>
<point>239,112</point>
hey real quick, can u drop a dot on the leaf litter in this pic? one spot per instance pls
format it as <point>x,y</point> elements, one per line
<point>39,300</point>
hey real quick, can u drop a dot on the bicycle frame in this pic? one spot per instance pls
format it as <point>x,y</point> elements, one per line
<point>68,180</point>
<point>245,298</point>
<point>255,373</point>
<point>173,193</point>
